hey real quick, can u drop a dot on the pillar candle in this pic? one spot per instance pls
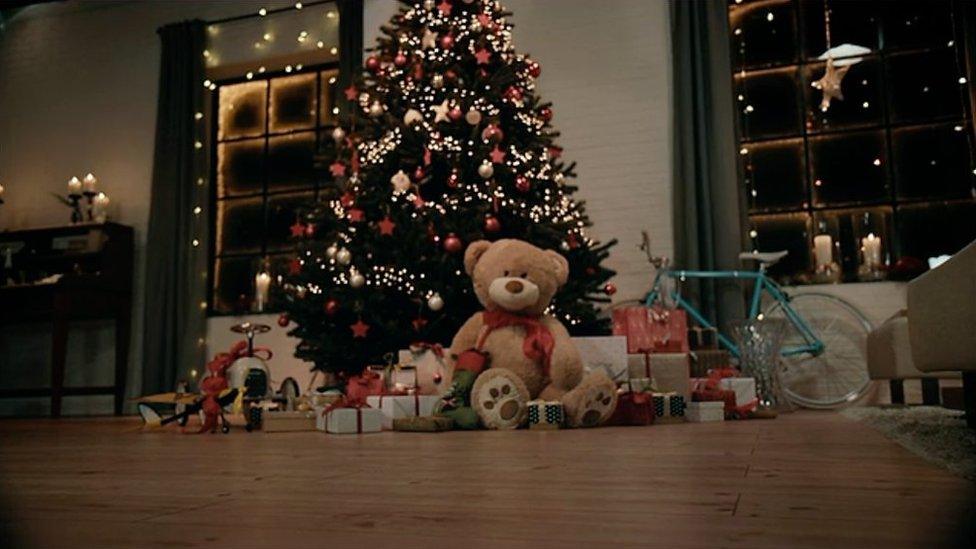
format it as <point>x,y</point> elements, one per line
<point>261,283</point>
<point>871,248</point>
<point>74,186</point>
<point>89,183</point>
<point>823,249</point>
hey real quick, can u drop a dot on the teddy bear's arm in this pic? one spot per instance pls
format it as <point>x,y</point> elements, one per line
<point>566,366</point>
<point>467,336</point>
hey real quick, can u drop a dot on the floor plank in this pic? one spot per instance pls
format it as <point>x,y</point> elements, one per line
<point>803,480</point>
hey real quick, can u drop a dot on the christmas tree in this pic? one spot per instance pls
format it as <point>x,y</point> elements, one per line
<point>445,142</point>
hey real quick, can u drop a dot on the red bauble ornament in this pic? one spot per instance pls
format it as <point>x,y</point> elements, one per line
<point>450,74</point>
<point>455,114</point>
<point>447,41</point>
<point>418,72</point>
<point>372,63</point>
<point>452,243</point>
<point>492,224</point>
<point>546,114</point>
<point>331,307</point>
<point>609,289</point>
<point>590,271</point>
<point>347,199</point>
<point>523,184</point>
<point>453,179</point>
<point>418,173</point>
<point>400,60</point>
<point>513,94</point>
<point>492,133</point>
<point>283,320</point>
<point>534,69</point>
<point>438,378</point>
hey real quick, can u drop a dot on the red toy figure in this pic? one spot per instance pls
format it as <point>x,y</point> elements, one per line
<point>216,383</point>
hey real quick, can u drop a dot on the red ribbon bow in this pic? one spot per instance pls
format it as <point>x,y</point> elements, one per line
<point>538,343</point>
<point>419,347</point>
<point>343,402</point>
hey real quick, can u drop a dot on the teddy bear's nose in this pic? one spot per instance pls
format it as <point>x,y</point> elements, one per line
<point>513,287</point>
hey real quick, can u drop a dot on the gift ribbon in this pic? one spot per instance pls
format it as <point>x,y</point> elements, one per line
<point>419,347</point>
<point>416,400</point>
<point>343,402</point>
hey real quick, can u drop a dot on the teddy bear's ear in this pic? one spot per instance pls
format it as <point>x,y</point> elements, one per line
<point>560,266</point>
<point>474,252</point>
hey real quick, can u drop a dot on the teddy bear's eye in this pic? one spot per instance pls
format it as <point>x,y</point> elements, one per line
<point>506,273</point>
<point>525,275</point>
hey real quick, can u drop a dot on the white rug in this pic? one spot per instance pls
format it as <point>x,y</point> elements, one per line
<point>934,433</point>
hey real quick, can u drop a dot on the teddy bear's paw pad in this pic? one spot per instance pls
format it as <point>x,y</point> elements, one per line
<point>500,403</point>
<point>598,403</point>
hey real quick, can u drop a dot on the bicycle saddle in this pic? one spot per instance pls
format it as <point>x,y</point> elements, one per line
<point>767,258</point>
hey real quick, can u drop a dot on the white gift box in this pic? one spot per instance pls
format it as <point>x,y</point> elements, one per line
<point>607,353</point>
<point>433,372</point>
<point>701,412</point>
<point>743,387</point>
<point>669,371</point>
<point>397,406</point>
<point>343,421</point>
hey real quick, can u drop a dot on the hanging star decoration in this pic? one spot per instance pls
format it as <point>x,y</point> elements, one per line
<point>400,182</point>
<point>351,93</point>
<point>830,83</point>
<point>497,155</point>
<point>359,329</point>
<point>440,112</point>
<point>297,230</point>
<point>356,215</point>
<point>337,169</point>
<point>386,226</point>
<point>444,7</point>
<point>429,40</point>
<point>483,56</point>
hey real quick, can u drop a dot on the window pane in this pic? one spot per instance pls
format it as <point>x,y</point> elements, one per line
<point>775,175</point>
<point>763,33</point>
<point>861,105</point>
<point>848,168</point>
<point>922,86</point>
<point>848,228</point>
<point>327,99</point>
<point>851,22</point>
<point>789,232</point>
<point>242,110</point>
<point>767,103</point>
<point>234,284</point>
<point>291,161</point>
<point>910,24</point>
<point>293,103</point>
<point>240,225</point>
<point>929,230</point>
<point>932,161</point>
<point>282,214</point>
<point>240,167</point>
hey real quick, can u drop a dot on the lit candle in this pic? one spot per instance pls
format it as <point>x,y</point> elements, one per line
<point>1,191</point>
<point>100,205</point>
<point>261,283</point>
<point>74,186</point>
<point>823,250</point>
<point>871,248</point>
<point>89,183</point>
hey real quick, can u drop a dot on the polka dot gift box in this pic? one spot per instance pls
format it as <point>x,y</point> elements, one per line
<point>669,407</point>
<point>545,414</point>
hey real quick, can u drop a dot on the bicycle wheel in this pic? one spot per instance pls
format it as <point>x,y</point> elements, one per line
<point>838,375</point>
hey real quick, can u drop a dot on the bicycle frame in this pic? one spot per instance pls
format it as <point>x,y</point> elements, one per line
<point>762,284</point>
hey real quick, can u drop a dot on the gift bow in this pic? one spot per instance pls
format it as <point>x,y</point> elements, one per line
<point>419,347</point>
<point>344,402</point>
<point>714,379</point>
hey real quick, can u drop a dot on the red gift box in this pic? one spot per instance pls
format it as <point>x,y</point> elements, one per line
<point>709,390</point>
<point>655,330</point>
<point>365,384</point>
<point>633,409</point>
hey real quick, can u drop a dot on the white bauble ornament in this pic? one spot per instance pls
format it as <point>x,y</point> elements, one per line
<point>486,170</point>
<point>356,280</point>
<point>375,109</point>
<point>473,117</point>
<point>400,182</point>
<point>435,302</point>
<point>344,256</point>
<point>338,134</point>
<point>429,5</point>
<point>331,252</point>
<point>564,246</point>
<point>412,116</point>
<point>438,81</point>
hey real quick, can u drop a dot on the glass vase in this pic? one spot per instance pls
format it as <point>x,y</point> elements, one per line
<point>759,343</point>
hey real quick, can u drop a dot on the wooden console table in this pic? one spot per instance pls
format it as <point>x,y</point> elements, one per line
<point>95,262</point>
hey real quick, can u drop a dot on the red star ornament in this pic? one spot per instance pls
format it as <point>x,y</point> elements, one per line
<point>337,169</point>
<point>351,93</point>
<point>386,226</point>
<point>497,155</point>
<point>444,7</point>
<point>359,329</point>
<point>297,230</point>
<point>347,199</point>
<point>418,201</point>
<point>355,215</point>
<point>483,56</point>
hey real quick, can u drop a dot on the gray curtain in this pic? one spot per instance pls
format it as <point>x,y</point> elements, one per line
<point>708,205</point>
<point>175,268</point>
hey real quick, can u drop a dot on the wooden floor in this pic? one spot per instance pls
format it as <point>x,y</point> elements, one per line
<point>803,480</point>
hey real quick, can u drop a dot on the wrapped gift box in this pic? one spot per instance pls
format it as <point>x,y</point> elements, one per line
<point>546,414</point>
<point>705,360</point>
<point>639,385</point>
<point>700,338</point>
<point>607,353</point>
<point>399,406</point>
<point>633,408</point>
<point>668,371</point>
<point>432,368</point>
<point>743,389</point>
<point>652,330</point>
<point>343,421</point>
<point>701,412</point>
<point>370,382</point>
<point>668,407</point>
<point>288,422</point>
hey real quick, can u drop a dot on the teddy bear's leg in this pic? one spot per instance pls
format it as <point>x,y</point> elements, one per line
<point>592,401</point>
<point>500,398</point>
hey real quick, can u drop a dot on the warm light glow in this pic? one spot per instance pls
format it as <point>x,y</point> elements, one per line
<point>262,12</point>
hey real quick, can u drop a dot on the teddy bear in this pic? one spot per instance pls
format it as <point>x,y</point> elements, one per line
<point>524,353</point>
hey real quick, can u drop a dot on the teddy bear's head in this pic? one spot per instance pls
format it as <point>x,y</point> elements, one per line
<point>515,276</point>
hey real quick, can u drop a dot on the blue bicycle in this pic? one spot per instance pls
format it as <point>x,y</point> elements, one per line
<point>824,351</point>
